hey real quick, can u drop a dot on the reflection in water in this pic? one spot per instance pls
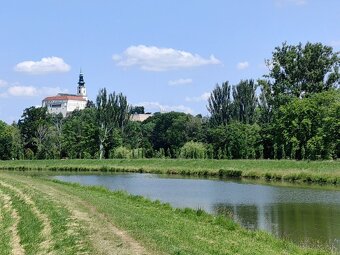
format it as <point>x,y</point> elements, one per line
<point>301,222</point>
<point>301,214</point>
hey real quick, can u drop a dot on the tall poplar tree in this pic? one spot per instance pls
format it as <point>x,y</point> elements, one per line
<point>245,101</point>
<point>112,112</point>
<point>219,105</point>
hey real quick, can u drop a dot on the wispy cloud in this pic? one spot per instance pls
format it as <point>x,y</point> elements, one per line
<point>156,106</point>
<point>203,97</point>
<point>282,3</point>
<point>151,58</point>
<point>242,65</point>
<point>17,90</point>
<point>43,66</point>
<point>179,82</point>
<point>22,91</point>
<point>31,91</point>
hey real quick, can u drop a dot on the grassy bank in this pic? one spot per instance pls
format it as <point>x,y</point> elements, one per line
<point>123,223</point>
<point>285,170</point>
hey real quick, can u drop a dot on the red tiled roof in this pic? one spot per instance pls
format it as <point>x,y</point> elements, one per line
<point>64,97</point>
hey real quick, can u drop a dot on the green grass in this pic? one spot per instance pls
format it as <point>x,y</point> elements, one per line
<point>180,231</point>
<point>281,170</point>
<point>5,223</point>
<point>29,226</point>
<point>63,241</point>
<point>158,227</point>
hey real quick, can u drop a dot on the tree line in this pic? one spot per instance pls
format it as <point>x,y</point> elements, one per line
<point>293,112</point>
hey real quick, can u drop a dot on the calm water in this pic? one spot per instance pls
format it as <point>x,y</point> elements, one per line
<point>302,214</point>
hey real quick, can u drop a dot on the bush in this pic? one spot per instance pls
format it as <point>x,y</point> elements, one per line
<point>120,152</point>
<point>194,150</point>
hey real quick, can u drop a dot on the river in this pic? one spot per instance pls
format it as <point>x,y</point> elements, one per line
<point>302,214</point>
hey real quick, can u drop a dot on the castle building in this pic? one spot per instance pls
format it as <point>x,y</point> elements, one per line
<point>67,103</point>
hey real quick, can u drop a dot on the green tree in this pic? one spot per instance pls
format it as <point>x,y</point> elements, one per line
<point>80,134</point>
<point>33,124</point>
<point>236,140</point>
<point>133,137</point>
<point>5,141</point>
<point>245,101</point>
<point>312,124</point>
<point>58,121</point>
<point>17,151</point>
<point>219,105</point>
<point>137,110</point>
<point>301,70</point>
<point>172,130</point>
<point>112,112</point>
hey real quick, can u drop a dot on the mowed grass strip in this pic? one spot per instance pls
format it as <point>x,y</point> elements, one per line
<point>101,234</point>
<point>45,245</point>
<point>7,222</point>
<point>166,230</point>
<point>66,232</point>
<point>283,170</point>
<point>30,226</point>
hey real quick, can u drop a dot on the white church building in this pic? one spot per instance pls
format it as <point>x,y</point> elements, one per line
<point>67,103</point>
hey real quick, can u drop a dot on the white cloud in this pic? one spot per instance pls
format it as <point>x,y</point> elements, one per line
<point>3,84</point>
<point>45,65</point>
<point>31,91</point>
<point>22,91</point>
<point>157,107</point>
<point>281,3</point>
<point>203,97</point>
<point>151,58</point>
<point>242,65</point>
<point>180,82</point>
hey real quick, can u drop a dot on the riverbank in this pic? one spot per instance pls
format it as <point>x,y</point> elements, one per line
<point>327,172</point>
<point>69,219</point>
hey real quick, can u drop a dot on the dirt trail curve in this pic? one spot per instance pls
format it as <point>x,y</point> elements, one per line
<point>15,238</point>
<point>105,237</point>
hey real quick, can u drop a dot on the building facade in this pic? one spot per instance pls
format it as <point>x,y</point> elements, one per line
<point>67,103</point>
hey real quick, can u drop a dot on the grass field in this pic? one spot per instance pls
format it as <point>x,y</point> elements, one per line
<point>286,170</point>
<point>41,216</point>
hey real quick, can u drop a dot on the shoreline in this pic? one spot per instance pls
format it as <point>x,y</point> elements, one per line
<point>156,226</point>
<point>319,172</point>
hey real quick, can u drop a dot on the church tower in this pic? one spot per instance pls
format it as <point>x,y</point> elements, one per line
<point>81,86</point>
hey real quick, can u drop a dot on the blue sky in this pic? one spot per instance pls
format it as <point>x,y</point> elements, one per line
<point>166,55</point>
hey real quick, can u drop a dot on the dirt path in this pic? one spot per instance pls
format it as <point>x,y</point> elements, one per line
<point>15,238</point>
<point>45,246</point>
<point>105,237</point>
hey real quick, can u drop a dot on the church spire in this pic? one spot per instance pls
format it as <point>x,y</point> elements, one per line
<point>81,81</point>
<point>81,85</point>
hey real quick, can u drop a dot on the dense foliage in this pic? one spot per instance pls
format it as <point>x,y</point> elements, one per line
<point>296,115</point>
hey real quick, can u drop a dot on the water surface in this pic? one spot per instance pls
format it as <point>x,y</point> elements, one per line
<point>301,214</point>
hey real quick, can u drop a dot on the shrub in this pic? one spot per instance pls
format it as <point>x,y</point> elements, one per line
<point>120,152</point>
<point>193,150</point>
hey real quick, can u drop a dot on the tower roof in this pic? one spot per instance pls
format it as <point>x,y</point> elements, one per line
<point>81,81</point>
